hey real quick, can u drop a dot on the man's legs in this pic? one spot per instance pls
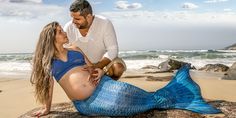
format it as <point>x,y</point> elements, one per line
<point>116,68</point>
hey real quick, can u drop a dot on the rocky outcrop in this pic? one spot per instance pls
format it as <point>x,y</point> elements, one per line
<point>231,73</point>
<point>149,67</point>
<point>163,79</point>
<point>232,47</point>
<point>150,78</point>
<point>166,66</point>
<point>134,76</point>
<point>214,68</point>
<point>171,65</point>
<point>66,110</point>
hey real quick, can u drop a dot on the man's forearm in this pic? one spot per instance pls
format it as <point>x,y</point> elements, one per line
<point>104,62</point>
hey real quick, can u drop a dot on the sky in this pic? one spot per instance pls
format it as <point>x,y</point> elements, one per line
<point>139,24</point>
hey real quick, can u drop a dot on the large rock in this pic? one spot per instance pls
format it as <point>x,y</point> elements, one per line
<point>66,110</point>
<point>231,73</point>
<point>163,79</point>
<point>232,47</point>
<point>214,68</point>
<point>171,65</point>
<point>149,67</point>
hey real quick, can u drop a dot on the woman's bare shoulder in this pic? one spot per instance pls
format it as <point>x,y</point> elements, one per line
<point>74,48</point>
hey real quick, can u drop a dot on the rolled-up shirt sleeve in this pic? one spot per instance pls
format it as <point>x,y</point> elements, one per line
<point>110,41</point>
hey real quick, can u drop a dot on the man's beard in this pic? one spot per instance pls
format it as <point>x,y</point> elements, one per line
<point>84,26</point>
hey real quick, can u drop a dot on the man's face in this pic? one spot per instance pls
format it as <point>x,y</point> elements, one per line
<point>79,20</point>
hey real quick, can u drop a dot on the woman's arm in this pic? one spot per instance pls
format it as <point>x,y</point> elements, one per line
<point>46,108</point>
<point>49,102</point>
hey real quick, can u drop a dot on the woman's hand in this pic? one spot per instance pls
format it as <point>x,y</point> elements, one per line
<point>41,112</point>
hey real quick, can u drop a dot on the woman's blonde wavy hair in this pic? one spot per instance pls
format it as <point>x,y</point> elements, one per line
<point>43,55</point>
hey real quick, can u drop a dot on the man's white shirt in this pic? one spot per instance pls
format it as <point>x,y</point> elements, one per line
<point>99,42</point>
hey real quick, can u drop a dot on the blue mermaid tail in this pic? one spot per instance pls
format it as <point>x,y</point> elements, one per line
<point>113,98</point>
<point>183,93</point>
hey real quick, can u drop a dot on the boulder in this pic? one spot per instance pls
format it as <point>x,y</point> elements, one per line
<point>149,67</point>
<point>164,79</point>
<point>67,110</point>
<point>231,73</point>
<point>232,47</point>
<point>171,65</point>
<point>214,68</point>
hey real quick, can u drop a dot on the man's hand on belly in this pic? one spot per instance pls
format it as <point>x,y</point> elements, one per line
<point>99,73</point>
<point>90,69</point>
<point>95,76</point>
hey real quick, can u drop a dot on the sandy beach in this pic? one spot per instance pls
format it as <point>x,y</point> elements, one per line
<point>16,96</point>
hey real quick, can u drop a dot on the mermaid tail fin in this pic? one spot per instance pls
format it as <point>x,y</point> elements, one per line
<point>183,93</point>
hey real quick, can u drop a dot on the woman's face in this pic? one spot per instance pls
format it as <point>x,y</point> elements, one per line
<point>61,37</point>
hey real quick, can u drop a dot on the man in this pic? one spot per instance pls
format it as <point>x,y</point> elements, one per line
<point>95,36</point>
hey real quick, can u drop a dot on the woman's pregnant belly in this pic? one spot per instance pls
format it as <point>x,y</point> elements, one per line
<point>76,84</point>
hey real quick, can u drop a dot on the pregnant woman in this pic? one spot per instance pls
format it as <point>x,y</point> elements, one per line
<point>95,94</point>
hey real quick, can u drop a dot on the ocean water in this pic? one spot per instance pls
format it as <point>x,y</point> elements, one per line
<point>15,63</point>
<point>198,58</point>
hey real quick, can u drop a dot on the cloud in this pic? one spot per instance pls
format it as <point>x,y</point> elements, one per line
<point>189,6</point>
<point>96,2</point>
<point>28,9</point>
<point>22,1</point>
<point>227,10</point>
<point>171,17</point>
<point>123,5</point>
<point>27,1</point>
<point>215,1</point>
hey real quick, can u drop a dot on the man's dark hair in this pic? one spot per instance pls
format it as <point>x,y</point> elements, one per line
<point>81,6</point>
